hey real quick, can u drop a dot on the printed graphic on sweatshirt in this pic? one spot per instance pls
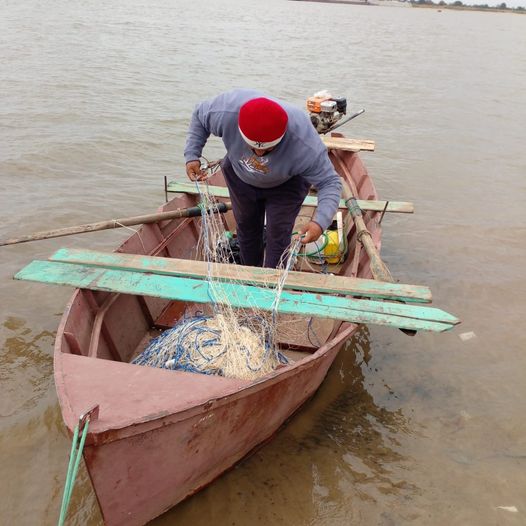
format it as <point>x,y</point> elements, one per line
<point>255,164</point>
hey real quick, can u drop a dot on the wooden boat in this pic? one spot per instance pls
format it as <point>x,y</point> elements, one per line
<point>162,435</point>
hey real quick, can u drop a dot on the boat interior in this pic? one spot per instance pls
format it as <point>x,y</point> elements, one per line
<point>116,326</point>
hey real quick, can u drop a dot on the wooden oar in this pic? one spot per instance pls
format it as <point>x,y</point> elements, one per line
<point>194,211</point>
<point>378,267</point>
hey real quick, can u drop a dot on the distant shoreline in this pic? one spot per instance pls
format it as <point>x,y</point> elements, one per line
<point>352,2</point>
<point>430,5</point>
<point>469,8</point>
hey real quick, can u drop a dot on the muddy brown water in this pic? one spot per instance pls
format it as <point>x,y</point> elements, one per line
<point>96,97</point>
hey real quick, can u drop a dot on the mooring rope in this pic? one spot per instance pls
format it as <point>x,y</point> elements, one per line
<point>77,446</point>
<point>116,223</point>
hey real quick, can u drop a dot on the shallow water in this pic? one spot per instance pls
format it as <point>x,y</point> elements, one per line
<point>425,430</point>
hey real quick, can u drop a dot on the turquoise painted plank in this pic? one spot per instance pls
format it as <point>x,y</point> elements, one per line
<point>110,261</point>
<point>302,281</point>
<point>396,309</point>
<point>192,290</point>
<point>310,200</point>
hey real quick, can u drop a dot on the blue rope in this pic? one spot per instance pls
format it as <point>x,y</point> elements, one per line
<point>191,337</point>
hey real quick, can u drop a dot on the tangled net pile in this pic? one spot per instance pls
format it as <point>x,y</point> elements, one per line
<point>236,343</point>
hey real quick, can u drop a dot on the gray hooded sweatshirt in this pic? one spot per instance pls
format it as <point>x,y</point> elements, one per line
<point>300,153</point>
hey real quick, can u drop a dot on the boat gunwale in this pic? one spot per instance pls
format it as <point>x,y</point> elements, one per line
<point>151,422</point>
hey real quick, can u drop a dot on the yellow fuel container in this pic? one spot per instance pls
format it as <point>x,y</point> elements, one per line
<point>332,251</point>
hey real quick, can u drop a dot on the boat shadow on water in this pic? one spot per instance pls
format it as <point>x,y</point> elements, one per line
<point>340,447</point>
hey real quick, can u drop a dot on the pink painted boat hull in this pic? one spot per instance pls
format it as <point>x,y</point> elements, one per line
<point>163,435</point>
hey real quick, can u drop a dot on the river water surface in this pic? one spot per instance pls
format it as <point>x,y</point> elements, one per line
<point>96,97</point>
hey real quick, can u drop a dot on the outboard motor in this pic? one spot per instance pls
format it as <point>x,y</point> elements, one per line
<point>325,110</point>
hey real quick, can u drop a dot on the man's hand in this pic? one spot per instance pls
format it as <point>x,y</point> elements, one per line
<point>312,231</point>
<point>194,172</point>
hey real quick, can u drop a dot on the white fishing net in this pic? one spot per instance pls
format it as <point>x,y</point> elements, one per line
<point>232,341</point>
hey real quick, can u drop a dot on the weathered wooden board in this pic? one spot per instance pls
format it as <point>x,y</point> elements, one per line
<point>401,207</point>
<point>239,296</point>
<point>303,281</point>
<point>348,145</point>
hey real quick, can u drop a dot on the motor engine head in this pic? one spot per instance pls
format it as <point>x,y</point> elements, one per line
<point>325,110</point>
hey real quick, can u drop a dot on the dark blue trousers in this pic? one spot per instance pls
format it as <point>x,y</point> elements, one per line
<point>281,204</point>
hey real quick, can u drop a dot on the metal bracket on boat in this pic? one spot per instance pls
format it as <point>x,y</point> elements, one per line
<point>88,416</point>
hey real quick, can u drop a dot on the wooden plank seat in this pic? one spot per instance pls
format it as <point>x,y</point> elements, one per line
<point>348,145</point>
<point>303,281</point>
<point>185,289</point>
<point>400,207</point>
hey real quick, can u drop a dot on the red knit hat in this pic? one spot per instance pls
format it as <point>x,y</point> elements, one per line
<point>262,122</point>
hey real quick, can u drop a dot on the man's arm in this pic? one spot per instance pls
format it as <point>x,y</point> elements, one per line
<point>208,118</point>
<point>198,133</point>
<point>322,175</point>
<point>205,120</point>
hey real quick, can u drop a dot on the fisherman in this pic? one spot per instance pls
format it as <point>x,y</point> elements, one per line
<point>273,156</point>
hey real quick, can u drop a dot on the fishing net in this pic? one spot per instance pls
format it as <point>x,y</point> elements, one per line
<point>231,342</point>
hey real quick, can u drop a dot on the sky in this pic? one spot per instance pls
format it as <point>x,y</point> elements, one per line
<point>491,3</point>
<point>509,3</point>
